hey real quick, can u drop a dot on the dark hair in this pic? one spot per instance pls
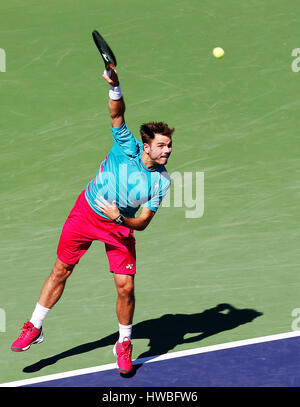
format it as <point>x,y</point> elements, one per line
<point>148,131</point>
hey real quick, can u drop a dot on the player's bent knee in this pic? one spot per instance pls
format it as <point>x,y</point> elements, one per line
<point>61,271</point>
<point>126,291</point>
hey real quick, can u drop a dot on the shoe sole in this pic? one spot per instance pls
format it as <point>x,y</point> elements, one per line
<point>40,339</point>
<point>116,355</point>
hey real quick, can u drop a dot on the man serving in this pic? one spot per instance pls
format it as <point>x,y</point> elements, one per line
<point>132,174</point>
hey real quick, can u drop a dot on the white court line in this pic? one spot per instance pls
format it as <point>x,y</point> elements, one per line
<point>151,359</point>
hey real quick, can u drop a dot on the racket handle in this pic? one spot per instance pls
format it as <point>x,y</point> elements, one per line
<point>107,72</point>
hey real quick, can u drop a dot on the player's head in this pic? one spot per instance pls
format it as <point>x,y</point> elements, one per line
<point>157,139</point>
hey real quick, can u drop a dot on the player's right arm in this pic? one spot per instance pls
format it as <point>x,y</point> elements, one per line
<point>116,107</point>
<point>113,212</point>
<point>122,136</point>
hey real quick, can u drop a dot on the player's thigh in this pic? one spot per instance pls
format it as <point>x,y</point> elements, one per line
<point>122,258</point>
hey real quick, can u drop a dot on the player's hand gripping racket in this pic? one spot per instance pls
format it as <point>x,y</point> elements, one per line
<point>107,55</point>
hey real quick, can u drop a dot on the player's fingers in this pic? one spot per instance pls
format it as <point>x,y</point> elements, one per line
<point>107,78</point>
<point>103,200</point>
<point>107,75</point>
<point>99,204</point>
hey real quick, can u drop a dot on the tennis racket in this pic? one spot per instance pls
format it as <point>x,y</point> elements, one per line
<point>106,53</point>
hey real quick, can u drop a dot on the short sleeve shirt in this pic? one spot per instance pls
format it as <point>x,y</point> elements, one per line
<point>123,177</point>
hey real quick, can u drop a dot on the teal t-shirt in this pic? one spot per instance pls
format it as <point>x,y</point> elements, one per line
<point>123,177</point>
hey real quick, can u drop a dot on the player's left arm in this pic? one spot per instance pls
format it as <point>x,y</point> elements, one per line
<point>140,222</point>
<point>112,212</point>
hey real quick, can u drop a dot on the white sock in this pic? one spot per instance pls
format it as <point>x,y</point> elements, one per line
<point>38,315</point>
<point>124,332</point>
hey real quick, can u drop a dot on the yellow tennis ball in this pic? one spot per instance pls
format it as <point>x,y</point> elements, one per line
<point>218,52</point>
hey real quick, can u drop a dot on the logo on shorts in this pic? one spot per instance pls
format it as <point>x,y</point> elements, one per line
<point>129,266</point>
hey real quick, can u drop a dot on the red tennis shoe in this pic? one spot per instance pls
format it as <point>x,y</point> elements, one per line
<point>29,335</point>
<point>123,351</point>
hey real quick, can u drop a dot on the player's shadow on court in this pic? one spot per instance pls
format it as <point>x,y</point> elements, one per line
<point>165,333</point>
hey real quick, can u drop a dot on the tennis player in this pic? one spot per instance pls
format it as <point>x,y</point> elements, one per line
<point>133,174</point>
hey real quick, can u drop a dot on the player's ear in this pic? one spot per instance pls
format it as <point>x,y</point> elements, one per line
<point>147,148</point>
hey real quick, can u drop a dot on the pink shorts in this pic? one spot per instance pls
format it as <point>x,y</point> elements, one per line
<point>84,225</point>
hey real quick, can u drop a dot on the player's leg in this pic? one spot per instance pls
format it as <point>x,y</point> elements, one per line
<point>72,245</point>
<point>122,260</point>
<point>51,292</point>
<point>55,284</point>
<point>125,310</point>
<point>125,300</point>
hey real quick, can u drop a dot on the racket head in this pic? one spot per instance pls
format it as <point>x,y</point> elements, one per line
<point>106,53</point>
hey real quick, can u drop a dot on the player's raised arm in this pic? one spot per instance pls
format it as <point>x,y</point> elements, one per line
<point>116,103</point>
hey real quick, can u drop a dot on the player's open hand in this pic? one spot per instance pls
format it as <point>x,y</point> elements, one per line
<point>109,210</point>
<point>111,77</point>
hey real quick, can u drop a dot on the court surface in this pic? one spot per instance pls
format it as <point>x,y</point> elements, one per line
<point>223,272</point>
<point>262,362</point>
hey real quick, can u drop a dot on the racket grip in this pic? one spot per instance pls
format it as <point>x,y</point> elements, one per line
<point>107,72</point>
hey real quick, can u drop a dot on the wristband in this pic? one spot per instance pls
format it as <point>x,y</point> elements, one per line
<point>115,92</point>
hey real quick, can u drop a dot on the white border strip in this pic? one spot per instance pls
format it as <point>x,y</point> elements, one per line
<point>151,359</point>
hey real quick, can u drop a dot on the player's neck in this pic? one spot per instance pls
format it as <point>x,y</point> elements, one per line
<point>150,164</point>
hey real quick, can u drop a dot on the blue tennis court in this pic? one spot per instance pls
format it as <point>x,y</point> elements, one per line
<point>262,362</point>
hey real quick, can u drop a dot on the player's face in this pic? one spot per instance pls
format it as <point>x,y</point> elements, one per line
<point>160,149</point>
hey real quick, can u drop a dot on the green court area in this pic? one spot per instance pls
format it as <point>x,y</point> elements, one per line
<point>236,120</point>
